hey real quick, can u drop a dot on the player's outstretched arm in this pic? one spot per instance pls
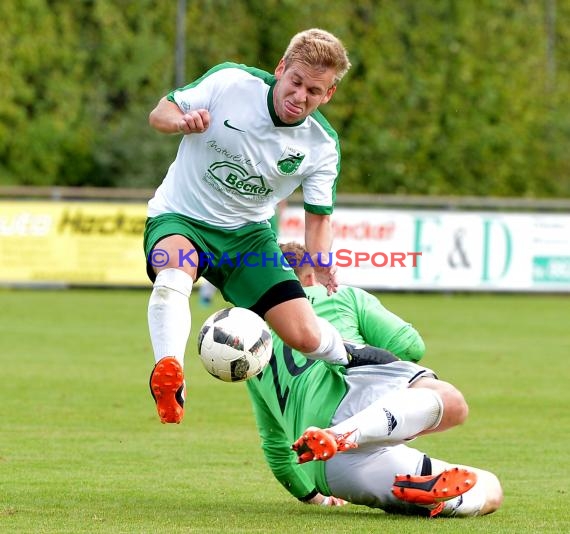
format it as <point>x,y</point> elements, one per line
<point>382,328</point>
<point>168,118</point>
<point>318,240</point>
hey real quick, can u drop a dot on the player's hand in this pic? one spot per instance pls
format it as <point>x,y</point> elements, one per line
<point>322,500</point>
<point>195,121</point>
<point>333,501</point>
<point>326,275</point>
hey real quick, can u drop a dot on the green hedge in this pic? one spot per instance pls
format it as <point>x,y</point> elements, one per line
<point>444,97</point>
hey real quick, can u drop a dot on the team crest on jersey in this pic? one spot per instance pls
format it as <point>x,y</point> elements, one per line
<point>290,160</point>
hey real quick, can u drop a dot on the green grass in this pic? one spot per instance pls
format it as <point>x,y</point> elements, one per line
<point>81,448</point>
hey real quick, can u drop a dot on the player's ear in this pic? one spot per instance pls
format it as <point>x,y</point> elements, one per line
<point>280,68</point>
<point>329,94</point>
<point>309,279</point>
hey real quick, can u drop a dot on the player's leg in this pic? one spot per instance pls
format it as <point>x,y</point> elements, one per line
<point>455,408</point>
<point>169,321</point>
<point>379,408</point>
<point>484,496</point>
<point>394,419</point>
<point>168,311</point>
<point>172,266</point>
<point>298,326</point>
<point>367,475</point>
<point>270,288</point>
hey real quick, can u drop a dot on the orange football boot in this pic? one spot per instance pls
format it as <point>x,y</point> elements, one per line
<point>434,489</point>
<point>321,444</point>
<point>167,388</point>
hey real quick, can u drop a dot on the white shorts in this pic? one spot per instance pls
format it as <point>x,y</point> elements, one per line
<point>365,475</point>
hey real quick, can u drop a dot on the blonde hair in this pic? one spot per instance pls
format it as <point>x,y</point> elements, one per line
<point>295,253</point>
<point>318,48</point>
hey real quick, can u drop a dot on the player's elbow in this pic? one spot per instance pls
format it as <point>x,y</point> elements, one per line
<point>417,348</point>
<point>153,116</point>
<point>407,344</point>
<point>153,119</point>
<point>160,118</point>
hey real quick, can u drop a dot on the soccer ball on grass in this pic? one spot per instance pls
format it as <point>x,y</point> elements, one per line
<point>234,344</point>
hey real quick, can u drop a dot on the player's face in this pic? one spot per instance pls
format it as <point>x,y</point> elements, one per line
<point>300,90</point>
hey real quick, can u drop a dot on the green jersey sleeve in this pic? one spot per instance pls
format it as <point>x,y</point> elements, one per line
<point>361,318</point>
<point>277,451</point>
<point>382,328</point>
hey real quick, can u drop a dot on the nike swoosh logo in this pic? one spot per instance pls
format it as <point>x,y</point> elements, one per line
<point>228,125</point>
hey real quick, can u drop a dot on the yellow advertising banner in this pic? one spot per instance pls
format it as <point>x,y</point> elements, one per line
<point>61,242</point>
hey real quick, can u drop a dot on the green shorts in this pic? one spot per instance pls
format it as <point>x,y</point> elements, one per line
<point>244,264</point>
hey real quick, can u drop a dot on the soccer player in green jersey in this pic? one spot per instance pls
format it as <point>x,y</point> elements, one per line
<point>249,138</point>
<point>364,318</point>
<point>359,420</point>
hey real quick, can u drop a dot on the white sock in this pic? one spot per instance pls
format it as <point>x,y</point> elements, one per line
<point>169,318</point>
<point>331,349</point>
<point>395,417</point>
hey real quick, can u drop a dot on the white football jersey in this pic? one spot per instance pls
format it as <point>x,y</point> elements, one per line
<point>237,171</point>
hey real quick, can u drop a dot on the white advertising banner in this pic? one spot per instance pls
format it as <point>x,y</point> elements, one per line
<point>445,250</point>
<point>47,242</point>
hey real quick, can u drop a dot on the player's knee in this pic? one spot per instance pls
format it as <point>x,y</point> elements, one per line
<point>494,501</point>
<point>493,491</point>
<point>304,340</point>
<point>459,406</point>
<point>455,408</point>
<point>169,280</point>
<point>296,332</point>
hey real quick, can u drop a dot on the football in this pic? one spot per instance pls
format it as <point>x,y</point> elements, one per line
<point>234,344</point>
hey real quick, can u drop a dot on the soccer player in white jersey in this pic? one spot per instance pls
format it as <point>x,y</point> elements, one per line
<point>354,424</point>
<point>248,140</point>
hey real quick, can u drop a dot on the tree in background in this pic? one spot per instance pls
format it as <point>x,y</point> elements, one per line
<point>444,97</point>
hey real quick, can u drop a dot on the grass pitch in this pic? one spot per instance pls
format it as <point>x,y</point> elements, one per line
<point>82,451</point>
